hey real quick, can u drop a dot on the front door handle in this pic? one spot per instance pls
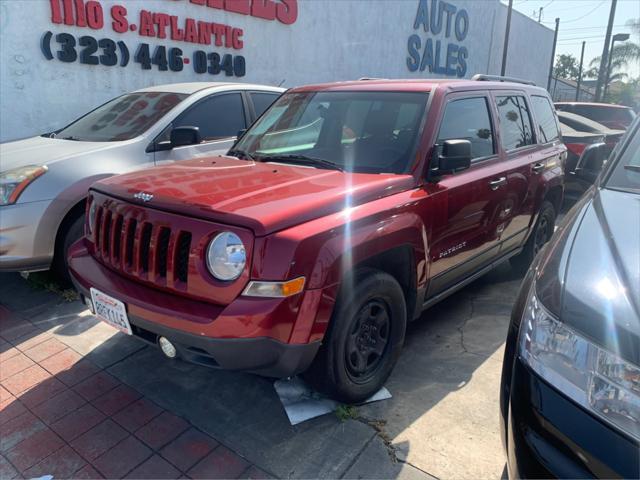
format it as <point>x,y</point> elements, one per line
<point>496,184</point>
<point>537,167</point>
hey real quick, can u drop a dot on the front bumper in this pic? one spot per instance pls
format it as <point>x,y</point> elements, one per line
<point>250,334</point>
<point>19,233</point>
<point>549,436</point>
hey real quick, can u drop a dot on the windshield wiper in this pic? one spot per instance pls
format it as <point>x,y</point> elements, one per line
<point>241,154</point>
<point>303,160</point>
<point>633,168</point>
<point>71,138</point>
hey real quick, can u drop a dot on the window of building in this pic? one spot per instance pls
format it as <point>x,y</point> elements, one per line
<point>515,122</point>
<point>547,125</point>
<point>468,119</point>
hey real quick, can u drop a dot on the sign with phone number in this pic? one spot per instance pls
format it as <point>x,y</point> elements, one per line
<point>107,52</point>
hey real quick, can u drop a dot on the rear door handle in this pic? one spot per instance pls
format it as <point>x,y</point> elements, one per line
<point>537,167</point>
<point>496,184</point>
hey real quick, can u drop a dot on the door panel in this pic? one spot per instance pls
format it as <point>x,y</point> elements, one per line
<point>219,117</point>
<point>516,132</point>
<point>466,205</point>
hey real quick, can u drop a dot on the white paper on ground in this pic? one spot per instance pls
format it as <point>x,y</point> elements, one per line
<point>303,403</point>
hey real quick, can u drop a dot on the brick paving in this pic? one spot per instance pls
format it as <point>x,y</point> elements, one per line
<point>62,415</point>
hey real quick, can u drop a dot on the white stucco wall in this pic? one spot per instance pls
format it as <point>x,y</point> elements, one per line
<point>331,40</point>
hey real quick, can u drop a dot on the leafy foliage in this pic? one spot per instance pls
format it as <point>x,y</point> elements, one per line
<point>566,67</point>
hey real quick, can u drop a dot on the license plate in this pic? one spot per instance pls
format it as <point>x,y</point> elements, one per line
<point>110,311</point>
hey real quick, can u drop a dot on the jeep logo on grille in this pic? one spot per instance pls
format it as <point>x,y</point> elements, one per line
<point>145,197</point>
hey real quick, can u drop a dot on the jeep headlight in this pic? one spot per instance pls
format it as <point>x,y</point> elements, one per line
<point>226,256</point>
<point>596,379</point>
<point>14,181</point>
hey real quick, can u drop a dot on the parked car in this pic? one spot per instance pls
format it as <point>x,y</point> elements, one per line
<point>586,155</point>
<point>44,180</point>
<point>617,117</point>
<point>570,390</point>
<point>341,214</point>
<point>583,124</point>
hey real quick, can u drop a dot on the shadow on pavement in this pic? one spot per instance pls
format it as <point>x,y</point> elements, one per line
<point>443,418</point>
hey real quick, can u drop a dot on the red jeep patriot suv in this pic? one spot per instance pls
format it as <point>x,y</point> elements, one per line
<point>341,214</point>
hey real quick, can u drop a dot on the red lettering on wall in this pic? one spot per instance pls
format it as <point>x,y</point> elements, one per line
<point>119,16</point>
<point>146,24</point>
<point>287,11</point>
<point>162,21</point>
<point>95,15</point>
<point>191,33</point>
<point>264,9</point>
<point>237,42</point>
<point>238,6</point>
<point>80,14</point>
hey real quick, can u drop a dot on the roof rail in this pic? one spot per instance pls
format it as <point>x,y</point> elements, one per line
<point>497,78</point>
<point>369,78</point>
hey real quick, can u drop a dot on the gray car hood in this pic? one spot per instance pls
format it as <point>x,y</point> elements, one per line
<point>591,280</point>
<point>46,151</point>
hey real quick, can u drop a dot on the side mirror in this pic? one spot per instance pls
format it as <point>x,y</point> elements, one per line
<point>455,155</point>
<point>591,162</point>
<point>184,136</point>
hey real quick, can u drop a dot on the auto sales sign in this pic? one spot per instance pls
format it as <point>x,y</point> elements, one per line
<point>190,42</point>
<point>438,49</point>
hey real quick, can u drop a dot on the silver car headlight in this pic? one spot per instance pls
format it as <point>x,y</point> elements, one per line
<point>598,380</point>
<point>226,256</point>
<point>14,181</point>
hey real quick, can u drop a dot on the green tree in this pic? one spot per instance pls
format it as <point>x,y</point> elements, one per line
<point>566,67</point>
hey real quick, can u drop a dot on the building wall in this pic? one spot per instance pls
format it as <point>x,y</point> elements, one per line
<point>330,40</point>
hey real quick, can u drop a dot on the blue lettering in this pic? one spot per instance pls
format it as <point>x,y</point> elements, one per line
<point>427,56</point>
<point>449,9</point>
<point>422,16</point>
<point>462,25</point>
<point>436,17</point>
<point>413,60</point>
<point>462,61</point>
<point>437,68</point>
<point>452,58</point>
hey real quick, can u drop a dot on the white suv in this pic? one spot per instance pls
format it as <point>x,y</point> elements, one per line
<point>44,180</point>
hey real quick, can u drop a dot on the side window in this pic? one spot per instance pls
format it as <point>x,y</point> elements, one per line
<point>219,116</point>
<point>547,125</point>
<point>468,119</point>
<point>262,101</point>
<point>515,122</point>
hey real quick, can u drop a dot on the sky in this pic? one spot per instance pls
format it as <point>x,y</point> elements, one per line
<point>582,20</point>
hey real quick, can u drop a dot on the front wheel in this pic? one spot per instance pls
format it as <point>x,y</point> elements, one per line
<point>364,338</point>
<point>542,232</point>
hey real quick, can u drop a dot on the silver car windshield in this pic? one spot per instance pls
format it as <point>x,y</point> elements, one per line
<point>122,118</point>
<point>368,132</point>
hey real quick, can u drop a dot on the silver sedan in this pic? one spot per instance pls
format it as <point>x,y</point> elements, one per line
<point>44,180</point>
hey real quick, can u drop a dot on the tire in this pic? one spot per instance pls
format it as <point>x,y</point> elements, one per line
<point>72,233</point>
<point>542,232</point>
<point>364,339</point>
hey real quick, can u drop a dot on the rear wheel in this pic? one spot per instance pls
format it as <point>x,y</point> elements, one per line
<point>71,233</point>
<point>542,232</point>
<point>364,339</point>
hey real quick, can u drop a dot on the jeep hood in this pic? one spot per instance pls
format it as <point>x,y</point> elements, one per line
<point>593,275</point>
<point>264,197</point>
<point>45,151</point>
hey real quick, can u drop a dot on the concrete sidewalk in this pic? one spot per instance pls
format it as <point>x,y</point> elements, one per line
<point>80,396</point>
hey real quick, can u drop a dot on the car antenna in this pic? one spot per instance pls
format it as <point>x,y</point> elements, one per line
<point>282,82</point>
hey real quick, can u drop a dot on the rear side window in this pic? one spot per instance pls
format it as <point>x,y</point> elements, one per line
<point>468,119</point>
<point>262,101</point>
<point>547,126</point>
<point>219,116</point>
<point>515,122</point>
<point>600,114</point>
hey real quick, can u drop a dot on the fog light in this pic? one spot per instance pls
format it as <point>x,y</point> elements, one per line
<point>167,347</point>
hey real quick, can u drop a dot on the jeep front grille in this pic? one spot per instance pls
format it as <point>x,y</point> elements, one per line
<point>141,248</point>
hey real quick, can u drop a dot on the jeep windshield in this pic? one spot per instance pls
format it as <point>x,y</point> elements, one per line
<point>122,118</point>
<point>365,132</point>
